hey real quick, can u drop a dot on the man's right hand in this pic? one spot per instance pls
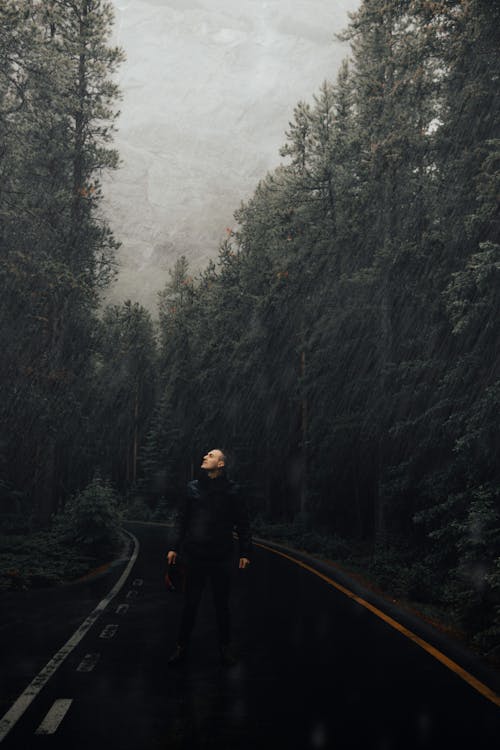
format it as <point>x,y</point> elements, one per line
<point>171,556</point>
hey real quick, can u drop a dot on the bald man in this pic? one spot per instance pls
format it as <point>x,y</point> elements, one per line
<point>204,537</point>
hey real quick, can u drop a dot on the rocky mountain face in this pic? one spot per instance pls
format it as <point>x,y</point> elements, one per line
<point>209,87</point>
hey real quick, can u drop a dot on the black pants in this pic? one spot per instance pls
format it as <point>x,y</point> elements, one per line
<point>197,572</point>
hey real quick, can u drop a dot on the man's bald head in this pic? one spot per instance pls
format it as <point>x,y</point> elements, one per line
<point>214,462</point>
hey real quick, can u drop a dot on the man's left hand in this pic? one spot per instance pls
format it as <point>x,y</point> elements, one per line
<point>244,561</point>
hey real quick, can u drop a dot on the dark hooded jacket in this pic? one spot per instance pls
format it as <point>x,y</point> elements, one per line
<point>209,512</point>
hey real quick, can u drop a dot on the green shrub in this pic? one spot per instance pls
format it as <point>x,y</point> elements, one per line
<point>91,519</point>
<point>163,511</point>
<point>137,509</point>
<point>471,589</point>
<point>39,559</point>
<point>301,535</point>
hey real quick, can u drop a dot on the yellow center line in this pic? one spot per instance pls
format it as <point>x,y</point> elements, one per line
<point>449,663</point>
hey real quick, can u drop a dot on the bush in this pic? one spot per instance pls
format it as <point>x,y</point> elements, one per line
<point>470,589</point>
<point>137,509</point>
<point>39,559</point>
<point>301,535</point>
<point>91,519</point>
<point>164,511</point>
<point>84,535</point>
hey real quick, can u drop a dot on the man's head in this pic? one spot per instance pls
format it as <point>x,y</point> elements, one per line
<point>214,462</point>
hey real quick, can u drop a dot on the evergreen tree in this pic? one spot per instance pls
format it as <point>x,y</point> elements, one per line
<point>126,389</point>
<point>56,113</point>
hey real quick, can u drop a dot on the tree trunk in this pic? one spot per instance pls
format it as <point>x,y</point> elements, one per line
<point>44,482</point>
<point>385,348</point>
<point>135,449</point>
<point>303,437</point>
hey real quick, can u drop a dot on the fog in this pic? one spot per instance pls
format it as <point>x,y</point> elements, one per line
<point>209,87</point>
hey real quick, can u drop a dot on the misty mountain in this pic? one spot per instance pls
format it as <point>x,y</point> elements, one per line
<point>209,87</point>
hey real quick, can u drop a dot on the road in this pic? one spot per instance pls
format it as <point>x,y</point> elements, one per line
<point>317,669</point>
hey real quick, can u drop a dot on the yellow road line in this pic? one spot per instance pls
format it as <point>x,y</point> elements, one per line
<point>449,663</point>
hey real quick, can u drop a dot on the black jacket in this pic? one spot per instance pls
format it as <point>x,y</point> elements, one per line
<point>207,516</point>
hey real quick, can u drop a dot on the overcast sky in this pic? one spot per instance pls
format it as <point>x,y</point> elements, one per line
<point>209,87</point>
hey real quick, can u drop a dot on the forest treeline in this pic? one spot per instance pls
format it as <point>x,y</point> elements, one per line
<point>344,345</point>
<point>57,108</point>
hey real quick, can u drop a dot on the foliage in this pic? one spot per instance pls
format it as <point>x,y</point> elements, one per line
<point>91,518</point>
<point>164,511</point>
<point>57,109</point>
<point>345,342</point>
<point>137,509</point>
<point>124,389</point>
<point>300,535</point>
<point>84,535</point>
<point>40,559</point>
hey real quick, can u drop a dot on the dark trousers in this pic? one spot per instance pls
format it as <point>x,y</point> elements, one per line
<point>197,572</point>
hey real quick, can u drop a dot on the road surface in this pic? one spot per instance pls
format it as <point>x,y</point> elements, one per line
<point>317,669</point>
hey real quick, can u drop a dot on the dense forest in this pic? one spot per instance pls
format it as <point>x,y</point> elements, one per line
<point>343,348</point>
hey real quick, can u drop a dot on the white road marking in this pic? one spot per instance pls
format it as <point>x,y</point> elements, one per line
<point>30,693</point>
<point>54,717</point>
<point>88,663</point>
<point>137,582</point>
<point>122,609</point>
<point>109,631</point>
<point>131,593</point>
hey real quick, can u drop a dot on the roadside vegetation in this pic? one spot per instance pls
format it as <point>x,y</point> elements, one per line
<point>399,576</point>
<point>85,536</point>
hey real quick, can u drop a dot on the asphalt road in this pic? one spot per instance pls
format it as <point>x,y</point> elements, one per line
<point>316,669</point>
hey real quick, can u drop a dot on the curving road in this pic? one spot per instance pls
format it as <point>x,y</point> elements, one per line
<point>317,668</point>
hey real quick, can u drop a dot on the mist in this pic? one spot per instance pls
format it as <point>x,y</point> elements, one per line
<point>209,87</point>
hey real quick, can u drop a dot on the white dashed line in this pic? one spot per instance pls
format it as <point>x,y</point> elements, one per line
<point>28,696</point>
<point>109,631</point>
<point>54,717</point>
<point>88,663</point>
<point>122,609</point>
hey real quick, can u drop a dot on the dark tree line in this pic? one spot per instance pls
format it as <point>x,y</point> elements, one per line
<point>345,345</point>
<point>57,108</point>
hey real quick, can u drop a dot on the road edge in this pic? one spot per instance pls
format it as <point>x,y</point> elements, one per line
<point>22,703</point>
<point>453,650</point>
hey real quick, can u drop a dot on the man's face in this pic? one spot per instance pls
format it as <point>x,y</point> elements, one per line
<point>213,460</point>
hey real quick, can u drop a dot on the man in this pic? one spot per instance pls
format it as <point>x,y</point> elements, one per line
<point>204,536</point>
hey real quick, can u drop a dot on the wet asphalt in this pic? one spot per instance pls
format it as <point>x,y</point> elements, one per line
<point>315,670</point>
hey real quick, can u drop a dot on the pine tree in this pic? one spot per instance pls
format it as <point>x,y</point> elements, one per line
<point>127,389</point>
<point>57,114</point>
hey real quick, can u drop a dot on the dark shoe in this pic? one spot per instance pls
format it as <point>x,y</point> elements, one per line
<point>178,657</point>
<point>227,656</point>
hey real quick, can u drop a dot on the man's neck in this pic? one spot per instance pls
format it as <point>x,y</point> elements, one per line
<point>214,474</point>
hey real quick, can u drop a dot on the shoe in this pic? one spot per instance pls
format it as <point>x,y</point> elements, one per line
<point>178,657</point>
<point>227,656</point>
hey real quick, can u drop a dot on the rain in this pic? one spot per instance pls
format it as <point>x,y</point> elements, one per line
<point>250,373</point>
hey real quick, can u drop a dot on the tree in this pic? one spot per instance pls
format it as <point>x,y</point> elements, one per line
<point>57,114</point>
<point>126,389</point>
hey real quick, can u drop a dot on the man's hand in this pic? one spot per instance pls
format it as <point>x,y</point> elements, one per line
<point>171,556</point>
<point>244,561</point>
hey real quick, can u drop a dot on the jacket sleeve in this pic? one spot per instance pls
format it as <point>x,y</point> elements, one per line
<point>242,527</point>
<point>182,523</point>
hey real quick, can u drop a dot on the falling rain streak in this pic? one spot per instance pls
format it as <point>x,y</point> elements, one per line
<point>342,348</point>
